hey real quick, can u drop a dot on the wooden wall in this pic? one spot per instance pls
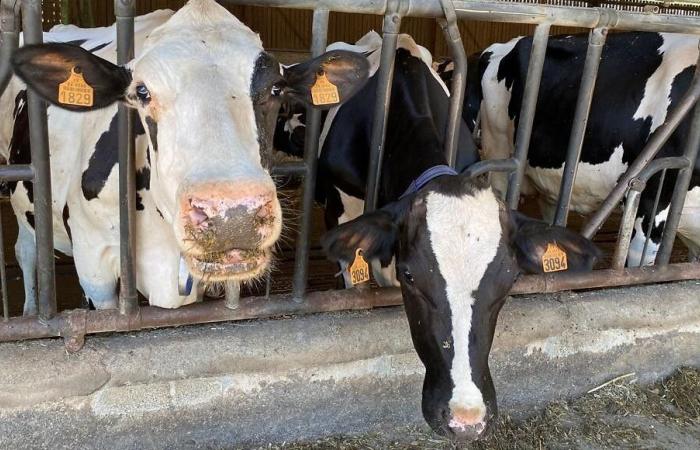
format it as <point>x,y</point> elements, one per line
<point>290,30</point>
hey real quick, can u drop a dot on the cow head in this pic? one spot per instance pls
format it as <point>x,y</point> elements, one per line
<point>458,254</point>
<point>207,94</point>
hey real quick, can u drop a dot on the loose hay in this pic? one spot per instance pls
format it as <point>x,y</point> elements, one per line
<point>622,414</point>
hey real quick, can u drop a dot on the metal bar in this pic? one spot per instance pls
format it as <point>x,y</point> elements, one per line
<point>3,274</point>
<point>627,225</point>
<point>295,168</point>
<point>682,183</point>
<point>72,325</point>
<point>233,294</point>
<point>9,39</point>
<point>500,11</point>
<point>17,172</point>
<point>654,208</point>
<point>490,165</point>
<point>39,140</point>
<point>311,136</point>
<point>450,29</point>
<point>653,146</point>
<point>128,296</point>
<point>527,112</point>
<point>385,81</point>
<point>596,42</point>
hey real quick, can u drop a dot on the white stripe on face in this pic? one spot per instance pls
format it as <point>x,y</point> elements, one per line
<point>464,234</point>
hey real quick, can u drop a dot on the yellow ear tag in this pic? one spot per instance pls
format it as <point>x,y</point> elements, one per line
<point>323,92</point>
<point>75,91</point>
<point>359,270</point>
<point>554,259</point>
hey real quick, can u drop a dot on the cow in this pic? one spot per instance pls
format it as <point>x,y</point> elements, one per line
<point>641,78</point>
<point>207,95</point>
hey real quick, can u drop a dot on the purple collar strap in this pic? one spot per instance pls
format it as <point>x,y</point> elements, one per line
<point>426,177</point>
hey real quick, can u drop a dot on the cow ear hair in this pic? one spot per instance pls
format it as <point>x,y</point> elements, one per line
<point>44,67</point>
<point>531,238</point>
<point>347,71</point>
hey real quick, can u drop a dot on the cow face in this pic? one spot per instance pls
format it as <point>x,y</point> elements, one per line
<point>458,254</point>
<point>208,95</point>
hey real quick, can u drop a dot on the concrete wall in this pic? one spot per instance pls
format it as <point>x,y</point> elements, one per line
<point>291,379</point>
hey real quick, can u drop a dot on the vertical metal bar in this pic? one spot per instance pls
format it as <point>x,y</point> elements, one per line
<point>653,146</point>
<point>3,274</point>
<point>385,78</point>
<point>313,130</point>
<point>527,111</point>
<point>682,183</point>
<point>652,215</point>
<point>39,139</point>
<point>627,224</point>
<point>128,296</point>
<point>450,28</point>
<point>9,39</point>
<point>233,294</point>
<point>596,41</point>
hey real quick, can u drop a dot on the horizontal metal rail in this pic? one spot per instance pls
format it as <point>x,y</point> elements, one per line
<point>491,165</point>
<point>16,172</point>
<point>74,325</point>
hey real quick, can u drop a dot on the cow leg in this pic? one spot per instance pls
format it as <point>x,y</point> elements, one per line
<point>634,255</point>
<point>97,268</point>
<point>547,210</point>
<point>25,252</point>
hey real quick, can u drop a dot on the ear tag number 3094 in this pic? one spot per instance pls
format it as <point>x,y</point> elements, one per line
<point>554,259</point>
<point>323,92</point>
<point>75,90</point>
<point>359,270</point>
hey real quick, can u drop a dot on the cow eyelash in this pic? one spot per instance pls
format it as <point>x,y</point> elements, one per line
<point>143,94</point>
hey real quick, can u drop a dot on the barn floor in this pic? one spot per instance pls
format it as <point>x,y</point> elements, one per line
<point>623,414</point>
<point>321,271</point>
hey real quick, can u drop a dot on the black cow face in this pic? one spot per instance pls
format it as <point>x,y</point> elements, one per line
<point>458,254</point>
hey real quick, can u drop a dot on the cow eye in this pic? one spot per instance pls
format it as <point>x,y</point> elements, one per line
<point>276,91</point>
<point>408,276</point>
<point>142,93</point>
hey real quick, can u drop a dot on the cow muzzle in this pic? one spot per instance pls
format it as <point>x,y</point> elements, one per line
<point>228,230</point>
<point>468,424</point>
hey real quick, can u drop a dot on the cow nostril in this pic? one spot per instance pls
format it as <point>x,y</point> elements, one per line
<point>264,214</point>
<point>197,216</point>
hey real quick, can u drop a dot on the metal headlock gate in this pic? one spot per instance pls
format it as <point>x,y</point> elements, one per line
<point>74,325</point>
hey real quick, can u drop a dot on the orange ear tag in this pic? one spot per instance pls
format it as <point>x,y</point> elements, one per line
<point>75,91</point>
<point>554,259</point>
<point>359,270</point>
<point>323,92</point>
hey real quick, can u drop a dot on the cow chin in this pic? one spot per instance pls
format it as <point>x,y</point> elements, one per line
<point>231,265</point>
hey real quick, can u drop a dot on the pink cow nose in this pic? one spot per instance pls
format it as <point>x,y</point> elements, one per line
<point>468,424</point>
<point>223,218</point>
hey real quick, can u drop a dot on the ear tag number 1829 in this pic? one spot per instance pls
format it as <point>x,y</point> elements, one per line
<point>554,259</point>
<point>359,270</point>
<point>323,92</point>
<point>75,90</point>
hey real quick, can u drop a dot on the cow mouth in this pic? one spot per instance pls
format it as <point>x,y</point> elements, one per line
<point>235,264</point>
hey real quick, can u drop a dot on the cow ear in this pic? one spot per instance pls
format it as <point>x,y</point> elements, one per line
<point>533,237</point>
<point>338,71</point>
<point>45,67</point>
<point>375,233</point>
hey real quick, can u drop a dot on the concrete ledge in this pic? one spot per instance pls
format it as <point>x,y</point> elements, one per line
<point>269,381</point>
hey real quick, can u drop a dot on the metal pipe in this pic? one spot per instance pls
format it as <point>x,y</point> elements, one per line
<point>490,165</point>
<point>74,325</point>
<point>627,224</point>
<point>16,172</point>
<point>385,81</point>
<point>311,136</point>
<point>682,183</point>
<point>9,38</point>
<point>653,146</point>
<point>596,42</point>
<point>290,169</point>
<point>453,37</point>
<point>654,208</point>
<point>39,140</point>
<point>128,296</point>
<point>232,298</point>
<point>500,11</point>
<point>527,112</point>
<point>3,274</point>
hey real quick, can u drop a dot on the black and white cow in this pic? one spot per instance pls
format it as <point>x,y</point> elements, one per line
<point>457,249</point>
<point>642,76</point>
<point>207,96</point>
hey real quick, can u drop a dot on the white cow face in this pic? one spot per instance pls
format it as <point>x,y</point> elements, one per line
<point>207,94</point>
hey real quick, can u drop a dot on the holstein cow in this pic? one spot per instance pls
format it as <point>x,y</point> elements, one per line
<point>207,96</point>
<point>458,250</point>
<point>642,76</point>
<point>417,117</point>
